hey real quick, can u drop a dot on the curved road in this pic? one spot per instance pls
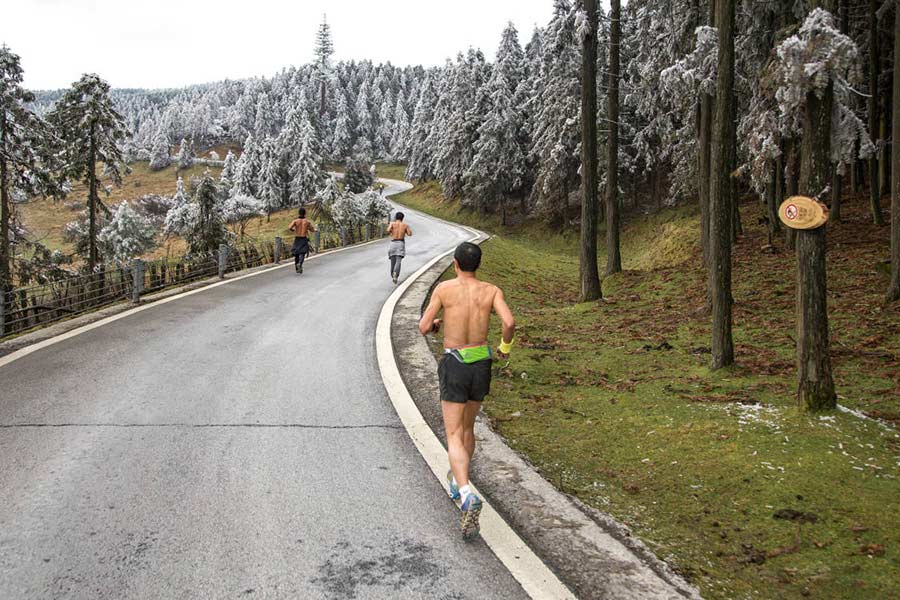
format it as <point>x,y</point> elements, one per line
<point>237,442</point>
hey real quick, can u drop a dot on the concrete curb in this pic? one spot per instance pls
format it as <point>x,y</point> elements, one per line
<point>593,554</point>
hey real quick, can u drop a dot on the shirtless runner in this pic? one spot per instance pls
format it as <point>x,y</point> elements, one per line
<point>398,230</point>
<point>301,227</point>
<point>465,369</point>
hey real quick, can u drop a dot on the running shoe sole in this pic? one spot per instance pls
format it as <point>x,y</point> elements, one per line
<point>469,523</point>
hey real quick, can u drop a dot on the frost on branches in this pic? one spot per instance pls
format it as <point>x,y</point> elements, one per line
<point>376,207</point>
<point>128,235</point>
<point>817,57</point>
<point>183,215</point>
<point>348,211</point>
<point>326,197</point>
<point>159,154</point>
<point>185,156</point>
<point>239,209</point>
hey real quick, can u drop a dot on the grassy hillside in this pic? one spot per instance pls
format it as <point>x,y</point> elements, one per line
<point>45,218</point>
<point>718,472</point>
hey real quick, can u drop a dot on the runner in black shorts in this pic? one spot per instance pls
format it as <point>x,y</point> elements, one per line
<point>461,381</point>
<point>465,368</point>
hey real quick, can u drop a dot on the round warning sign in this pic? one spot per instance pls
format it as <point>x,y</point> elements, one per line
<point>800,212</point>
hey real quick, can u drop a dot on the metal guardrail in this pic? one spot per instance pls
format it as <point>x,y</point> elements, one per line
<point>30,307</point>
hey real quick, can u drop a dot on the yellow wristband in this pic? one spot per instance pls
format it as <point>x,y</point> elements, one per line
<point>505,347</point>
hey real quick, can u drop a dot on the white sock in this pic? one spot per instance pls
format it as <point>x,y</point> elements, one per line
<point>464,491</point>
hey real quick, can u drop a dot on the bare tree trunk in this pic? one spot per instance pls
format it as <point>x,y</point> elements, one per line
<point>837,180</point>
<point>590,276</point>
<point>894,290</point>
<point>613,249</point>
<point>815,387</point>
<point>837,192</point>
<point>5,218</point>
<point>772,221</point>
<point>886,148</point>
<point>703,175</point>
<point>721,219</point>
<point>874,191</point>
<point>93,200</point>
<point>793,188</point>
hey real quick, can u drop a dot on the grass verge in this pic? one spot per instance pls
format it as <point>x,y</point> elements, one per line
<point>718,472</point>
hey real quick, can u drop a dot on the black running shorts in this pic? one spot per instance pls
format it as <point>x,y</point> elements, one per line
<point>462,382</point>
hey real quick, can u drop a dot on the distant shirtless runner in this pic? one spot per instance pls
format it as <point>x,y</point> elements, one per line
<point>301,227</point>
<point>398,230</point>
<point>465,369</point>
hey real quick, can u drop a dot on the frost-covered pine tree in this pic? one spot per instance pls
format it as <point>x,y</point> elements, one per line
<point>159,154</point>
<point>324,50</point>
<point>498,169</point>
<point>385,124</point>
<point>183,215</point>
<point>27,159</point>
<point>399,145</point>
<point>326,197</point>
<point>185,156</point>
<point>348,211</point>
<point>377,208</point>
<point>357,177</point>
<point>659,35</point>
<point>420,152</point>
<point>457,133</point>
<point>264,125</point>
<point>208,230</point>
<point>228,174</point>
<point>306,170</point>
<point>557,115</point>
<point>342,139</point>
<point>365,126</point>
<point>238,210</point>
<point>127,236</point>
<point>92,131</point>
<point>271,192</point>
<point>247,168</point>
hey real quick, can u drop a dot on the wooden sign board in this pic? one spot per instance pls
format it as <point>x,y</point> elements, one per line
<point>800,212</point>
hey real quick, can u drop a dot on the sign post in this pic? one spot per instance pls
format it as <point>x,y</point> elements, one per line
<point>815,389</point>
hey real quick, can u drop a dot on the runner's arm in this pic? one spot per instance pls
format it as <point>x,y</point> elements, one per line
<point>430,323</point>
<point>408,231</point>
<point>506,317</point>
<point>311,227</point>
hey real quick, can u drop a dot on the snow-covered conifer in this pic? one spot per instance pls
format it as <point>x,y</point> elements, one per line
<point>306,170</point>
<point>185,155</point>
<point>342,140</point>
<point>159,154</point>
<point>238,210</point>
<point>128,235</point>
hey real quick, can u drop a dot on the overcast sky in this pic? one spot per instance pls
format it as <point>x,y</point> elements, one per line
<point>170,43</point>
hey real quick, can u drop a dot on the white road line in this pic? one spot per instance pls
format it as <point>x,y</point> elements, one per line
<point>533,575</point>
<point>13,356</point>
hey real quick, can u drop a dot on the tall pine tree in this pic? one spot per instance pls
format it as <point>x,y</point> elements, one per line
<point>27,162</point>
<point>92,130</point>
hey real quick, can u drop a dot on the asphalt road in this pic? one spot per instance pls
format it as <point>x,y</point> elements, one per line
<point>233,443</point>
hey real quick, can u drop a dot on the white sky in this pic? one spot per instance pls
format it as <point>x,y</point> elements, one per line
<point>171,43</point>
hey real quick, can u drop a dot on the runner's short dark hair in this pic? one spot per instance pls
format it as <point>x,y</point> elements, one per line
<point>468,256</point>
<point>302,212</point>
<point>399,216</point>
